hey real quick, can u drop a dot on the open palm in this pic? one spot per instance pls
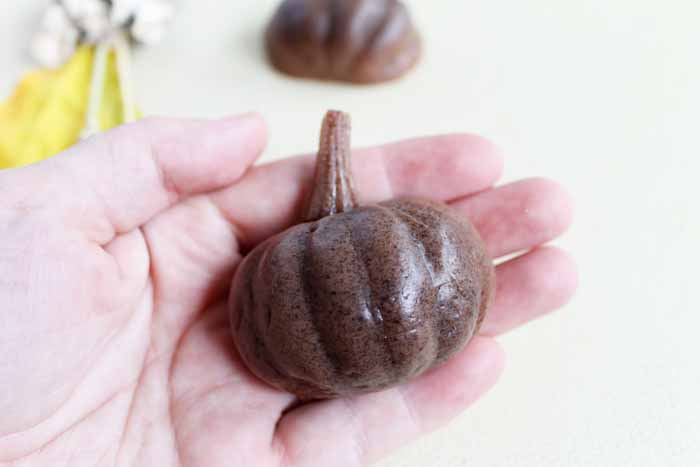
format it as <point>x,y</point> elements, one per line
<point>115,263</point>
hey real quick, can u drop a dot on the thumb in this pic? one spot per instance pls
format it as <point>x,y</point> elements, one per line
<point>116,181</point>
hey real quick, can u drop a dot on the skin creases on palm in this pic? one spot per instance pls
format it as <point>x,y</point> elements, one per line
<point>113,323</point>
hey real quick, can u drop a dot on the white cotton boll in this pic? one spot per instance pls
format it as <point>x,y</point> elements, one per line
<point>152,20</point>
<point>81,8</point>
<point>46,50</point>
<point>95,21</point>
<point>57,38</point>
<point>56,20</point>
<point>123,10</point>
<point>96,27</point>
<point>53,50</point>
<point>92,16</point>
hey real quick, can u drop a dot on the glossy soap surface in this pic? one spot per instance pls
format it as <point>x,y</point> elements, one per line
<point>358,41</point>
<point>358,299</point>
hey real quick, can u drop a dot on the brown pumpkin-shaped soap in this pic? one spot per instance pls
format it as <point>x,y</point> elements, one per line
<point>358,298</point>
<point>360,41</point>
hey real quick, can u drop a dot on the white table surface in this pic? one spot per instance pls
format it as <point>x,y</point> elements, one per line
<point>601,95</point>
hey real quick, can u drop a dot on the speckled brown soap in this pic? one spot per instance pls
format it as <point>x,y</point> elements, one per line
<point>359,41</point>
<point>357,299</point>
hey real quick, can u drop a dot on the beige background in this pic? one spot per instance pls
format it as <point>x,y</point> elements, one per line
<point>599,94</point>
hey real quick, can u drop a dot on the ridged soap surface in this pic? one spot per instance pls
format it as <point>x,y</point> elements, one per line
<point>360,41</point>
<point>361,300</point>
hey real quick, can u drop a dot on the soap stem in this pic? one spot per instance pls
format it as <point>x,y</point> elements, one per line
<point>333,190</point>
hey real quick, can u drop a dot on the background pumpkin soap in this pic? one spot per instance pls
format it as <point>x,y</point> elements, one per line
<point>358,41</point>
<point>358,298</point>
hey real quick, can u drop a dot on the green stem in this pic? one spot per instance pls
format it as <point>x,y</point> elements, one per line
<point>126,83</point>
<point>97,86</point>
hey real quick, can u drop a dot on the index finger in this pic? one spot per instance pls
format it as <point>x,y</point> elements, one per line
<point>116,181</point>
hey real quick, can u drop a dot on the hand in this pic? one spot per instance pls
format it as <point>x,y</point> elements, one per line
<point>115,261</point>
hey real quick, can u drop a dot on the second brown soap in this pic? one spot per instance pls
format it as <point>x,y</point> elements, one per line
<point>358,41</point>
